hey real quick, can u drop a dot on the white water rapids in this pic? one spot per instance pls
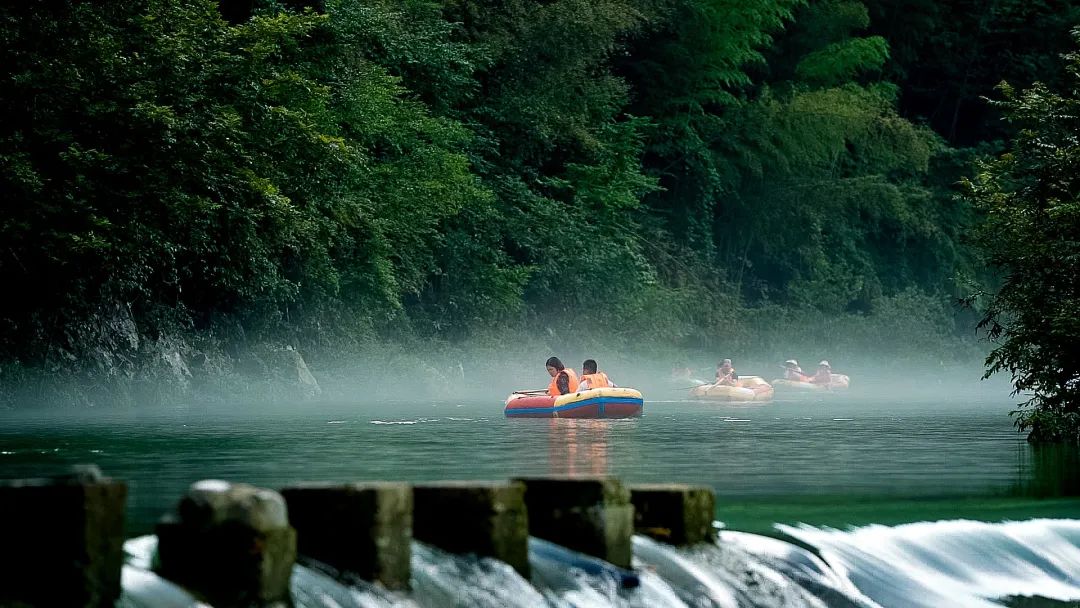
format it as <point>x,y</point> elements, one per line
<point>930,564</point>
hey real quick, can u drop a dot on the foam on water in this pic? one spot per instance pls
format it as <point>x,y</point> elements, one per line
<point>442,579</point>
<point>954,563</point>
<point>312,587</point>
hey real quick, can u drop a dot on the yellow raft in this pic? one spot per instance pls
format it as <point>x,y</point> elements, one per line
<point>748,388</point>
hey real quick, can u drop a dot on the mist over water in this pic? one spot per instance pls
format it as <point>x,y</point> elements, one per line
<point>490,369</point>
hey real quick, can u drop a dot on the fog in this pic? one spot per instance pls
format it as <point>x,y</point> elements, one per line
<point>487,375</point>
<point>484,370</point>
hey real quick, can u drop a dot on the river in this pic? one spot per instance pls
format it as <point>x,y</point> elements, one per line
<point>822,463</point>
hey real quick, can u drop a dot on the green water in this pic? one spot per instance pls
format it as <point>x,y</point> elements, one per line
<point>829,462</point>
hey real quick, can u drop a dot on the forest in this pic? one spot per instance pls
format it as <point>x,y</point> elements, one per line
<point>185,179</point>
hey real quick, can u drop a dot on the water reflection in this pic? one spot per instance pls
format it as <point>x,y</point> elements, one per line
<point>1049,471</point>
<point>577,447</point>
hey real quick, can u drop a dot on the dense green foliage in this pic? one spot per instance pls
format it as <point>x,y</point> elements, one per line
<point>947,57</point>
<point>156,158</point>
<point>638,169</point>
<point>1031,199</point>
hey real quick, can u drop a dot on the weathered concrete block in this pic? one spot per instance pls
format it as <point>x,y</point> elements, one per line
<point>590,515</point>
<point>362,528</point>
<point>230,544</point>
<point>488,519</point>
<point>62,540</point>
<point>674,513</point>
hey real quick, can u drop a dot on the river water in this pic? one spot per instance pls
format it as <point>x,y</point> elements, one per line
<point>803,469</point>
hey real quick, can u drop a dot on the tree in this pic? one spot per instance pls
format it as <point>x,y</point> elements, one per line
<point>785,167</point>
<point>689,73</point>
<point>831,210</point>
<point>1031,200</point>
<point>948,56</point>
<point>160,159</point>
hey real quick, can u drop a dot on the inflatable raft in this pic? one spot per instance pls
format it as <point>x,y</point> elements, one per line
<point>592,403</point>
<point>748,388</point>
<point>839,382</point>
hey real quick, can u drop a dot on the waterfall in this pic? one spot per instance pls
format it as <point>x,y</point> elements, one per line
<point>927,564</point>
<point>953,563</point>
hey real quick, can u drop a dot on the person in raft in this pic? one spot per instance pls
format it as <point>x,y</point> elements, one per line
<point>563,379</point>
<point>793,372</point>
<point>823,375</point>
<point>725,374</point>
<point>591,378</point>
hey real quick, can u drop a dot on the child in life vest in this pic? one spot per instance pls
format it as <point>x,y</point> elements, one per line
<point>591,378</point>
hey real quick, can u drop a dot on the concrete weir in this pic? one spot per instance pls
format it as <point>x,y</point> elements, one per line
<point>487,519</point>
<point>674,513</point>
<point>361,528</point>
<point>230,544</point>
<point>235,545</point>
<point>62,540</point>
<point>590,515</point>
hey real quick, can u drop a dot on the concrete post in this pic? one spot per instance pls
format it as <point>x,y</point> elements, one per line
<point>230,544</point>
<point>362,528</point>
<point>674,513</point>
<point>483,518</point>
<point>62,540</point>
<point>590,515</point>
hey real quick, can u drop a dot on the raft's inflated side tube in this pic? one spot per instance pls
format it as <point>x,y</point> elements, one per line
<point>749,388</point>
<point>839,381</point>
<point>763,391</point>
<point>592,403</point>
<point>795,385</point>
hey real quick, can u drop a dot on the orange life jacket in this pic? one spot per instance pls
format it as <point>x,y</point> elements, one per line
<point>553,388</point>
<point>597,380</point>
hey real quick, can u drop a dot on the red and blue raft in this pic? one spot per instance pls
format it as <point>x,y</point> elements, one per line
<point>592,403</point>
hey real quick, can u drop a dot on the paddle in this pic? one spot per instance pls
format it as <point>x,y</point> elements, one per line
<point>539,391</point>
<point>699,383</point>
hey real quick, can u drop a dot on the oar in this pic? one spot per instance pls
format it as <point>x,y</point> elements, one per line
<point>703,383</point>
<point>539,391</point>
